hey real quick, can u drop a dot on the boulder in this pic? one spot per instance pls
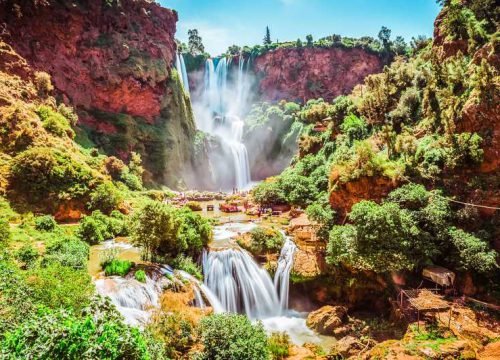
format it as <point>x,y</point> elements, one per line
<point>326,319</point>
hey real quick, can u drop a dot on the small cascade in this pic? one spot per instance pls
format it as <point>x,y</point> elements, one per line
<point>282,275</point>
<point>239,283</point>
<point>202,292</point>
<point>180,65</point>
<point>132,298</point>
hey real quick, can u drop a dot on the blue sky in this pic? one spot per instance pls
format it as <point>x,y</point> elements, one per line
<point>225,22</point>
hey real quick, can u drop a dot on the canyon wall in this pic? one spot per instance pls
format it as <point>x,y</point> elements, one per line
<point>300,74</point>
<point>112,60</point>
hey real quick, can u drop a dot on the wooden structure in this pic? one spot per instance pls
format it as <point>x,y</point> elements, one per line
<point>439,276</point>
<point>423,301</point>
<point>210,208</point>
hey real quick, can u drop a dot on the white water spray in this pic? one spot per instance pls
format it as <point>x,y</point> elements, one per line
<point>180,65</point>
<point>282,275</point>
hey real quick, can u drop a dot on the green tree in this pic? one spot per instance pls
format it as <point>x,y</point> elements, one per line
<point>267,37</point>
<point>105,198</point>
<point>195,43</point>
<point>232,337</point>
<point>384,36</point>
<point>399,46</point>
<point>298,43</point>
<point>309,41</point>
<point>156,228</point>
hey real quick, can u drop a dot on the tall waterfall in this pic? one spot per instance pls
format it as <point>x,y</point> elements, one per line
<point>242,286</point>
<point>180,65</point>
<point>224,97</point>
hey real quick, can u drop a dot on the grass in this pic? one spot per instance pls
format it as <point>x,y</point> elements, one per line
<point>118,267</point>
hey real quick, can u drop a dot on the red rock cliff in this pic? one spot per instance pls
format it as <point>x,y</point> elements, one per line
<point>111,60</point>
<point>310,73</point>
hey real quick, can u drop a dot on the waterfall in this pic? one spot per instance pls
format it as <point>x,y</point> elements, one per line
<point>239,283</point>
<point>180,65</point>
<point>242,286</point>
<point>282,275</point>
<point>223,100</point>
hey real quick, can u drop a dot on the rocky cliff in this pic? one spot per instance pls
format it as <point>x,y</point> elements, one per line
<point>112,60</point>
<point>300,74</point>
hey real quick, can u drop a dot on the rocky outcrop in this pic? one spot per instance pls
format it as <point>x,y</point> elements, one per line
<point>344,196</point>
<point>326,319</point>
<point>112,61</point>
<point>300,74</point>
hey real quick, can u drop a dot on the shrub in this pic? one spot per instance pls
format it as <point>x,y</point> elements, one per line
<point>474,253</point>
<point>194,205</point>
<point>114,167</point>
<point>132,181</point>
<point>58,286</point>
<point>232,337</point>
<point>279,345</point>
<point>92,230</point>
<point>176,332</point>
<point>42,173</point>
<point>4,230</point>
<point>43,84</point>
<point>140,276</point>
<point>54,122</point>
<point>269,192</point>
<point>118,267</point>
<point>68,112</point>
<point>266,240</point>
<point>27,254</point>
<point>185,263</point>
<point>69,252</point>
<point>99,333</point>
<point>196,232</point>
<point>354,127</point>
<point>105,198</point>
<point>45,223</point>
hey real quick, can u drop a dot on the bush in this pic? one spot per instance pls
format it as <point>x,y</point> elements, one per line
<point>194,206</point>
<point>140,276</point>
<point>43,84</point>
<point>232,337</point>
<point>118,267</point>
<point>4,230</point>
<point>176,332</point>
<point>45,223</point>
<point>114,167</point>
<point>266,240</point>
<point>93,230</point>
<point>27,254</point>
<point>54,122</point>
<point>42,173</point>
<point>69,252</point>
<point>58,286</point>
<point>99,333</point>
<point>98,227</point>
<point>354,127</point>
<point>105,198</point>
<point>185,263</point>
<point>279,345</point>
<point>132,181</point>
<point>269,192</point>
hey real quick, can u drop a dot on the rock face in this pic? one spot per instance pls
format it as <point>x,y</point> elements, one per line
<point>300,74</point>
<point>111,60</point>
<point>326,319</point>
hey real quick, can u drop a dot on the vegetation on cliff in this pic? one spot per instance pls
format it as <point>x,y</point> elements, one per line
<point>410,124</point>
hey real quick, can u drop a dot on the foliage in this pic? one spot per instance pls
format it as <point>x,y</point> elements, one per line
<point>175,331</point>
<point>5,233</point>
<point>164,231</point>
<point>473,253</point>
<point>55,122</point>
<point>232,337</point>
<point>269,192</point>
<point>195,42</point>
<point>279,345</point>
<point>185,263</point>
<point>43,84</point>
<point>105,198</point>
<point>45,223</point>
<point>67,251</point>
<point>42,173</point>
<point>28,255</point>
<point>140,276</point>
<point>354,128</point>
<point>193,205</point>
<point>322,213</point>
<point>58,286</point>
<point>266,240</point>
<point>117,267</point>
<point>98,333</point>
<point>267,38</point>
<point>98,227</point>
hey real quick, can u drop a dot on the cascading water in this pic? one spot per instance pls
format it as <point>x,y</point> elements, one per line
<point>242,286</point>
<point>223,101</point>
<point>282,275</point>
<point>180,65</point>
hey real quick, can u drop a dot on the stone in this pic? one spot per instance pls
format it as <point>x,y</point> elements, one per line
<point>326,319</point>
